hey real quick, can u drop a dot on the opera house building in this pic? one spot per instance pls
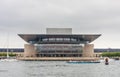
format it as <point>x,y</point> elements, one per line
<point>59,42</point>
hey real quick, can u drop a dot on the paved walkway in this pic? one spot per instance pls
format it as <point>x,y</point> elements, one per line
<point>58,58</point>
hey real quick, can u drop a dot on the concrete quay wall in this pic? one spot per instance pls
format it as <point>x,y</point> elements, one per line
<point>58,58</point>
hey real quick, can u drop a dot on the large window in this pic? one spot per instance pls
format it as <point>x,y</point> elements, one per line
<point>66,39</point>
<point>59,39</point>
<point>51,39</point>
<point>72,39</point>
<point>45,39</point>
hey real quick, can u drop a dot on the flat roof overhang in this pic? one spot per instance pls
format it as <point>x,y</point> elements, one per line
<point>82,37</point>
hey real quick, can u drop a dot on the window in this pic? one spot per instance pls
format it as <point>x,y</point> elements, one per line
<point>51,39</point>
<point>72,39</point>
<point>45,39</point>
<point>59,39</point>
<point>66,39</point>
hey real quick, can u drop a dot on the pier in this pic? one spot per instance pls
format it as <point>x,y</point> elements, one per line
<point>58,58</point>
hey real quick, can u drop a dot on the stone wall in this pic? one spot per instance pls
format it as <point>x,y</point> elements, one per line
<point>88,50</point>
<point>29,50</point>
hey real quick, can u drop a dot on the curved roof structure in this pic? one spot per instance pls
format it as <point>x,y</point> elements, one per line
<point>74,38</point>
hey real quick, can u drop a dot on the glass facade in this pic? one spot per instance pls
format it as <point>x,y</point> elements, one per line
<point>59,39</point>
<point>59,50</point>
<point>58,47</point>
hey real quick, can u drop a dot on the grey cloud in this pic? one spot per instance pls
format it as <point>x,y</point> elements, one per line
<point>84,16</point>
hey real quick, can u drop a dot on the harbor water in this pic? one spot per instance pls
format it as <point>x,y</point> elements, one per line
<point>58,69</point>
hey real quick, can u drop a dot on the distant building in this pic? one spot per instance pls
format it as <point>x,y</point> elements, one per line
<point>59,42</point>
<point>12,49</point>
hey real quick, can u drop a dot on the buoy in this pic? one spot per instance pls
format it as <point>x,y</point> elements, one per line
<point>106,61</point>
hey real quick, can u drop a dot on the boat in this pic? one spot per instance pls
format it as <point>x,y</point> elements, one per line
<point>83,62</point>
<point>8,58</point>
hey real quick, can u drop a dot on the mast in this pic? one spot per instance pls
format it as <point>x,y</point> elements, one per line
<point>7,52</point>
<point>8,46</point>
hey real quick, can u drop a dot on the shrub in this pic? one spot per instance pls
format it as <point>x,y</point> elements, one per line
<point>111,54</point>
<point>5,54</point>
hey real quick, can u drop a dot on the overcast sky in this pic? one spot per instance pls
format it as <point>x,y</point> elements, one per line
<point>84,16</point>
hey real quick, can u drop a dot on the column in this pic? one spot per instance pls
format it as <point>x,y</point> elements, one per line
<point>29,50</point>
<point>88,50</point>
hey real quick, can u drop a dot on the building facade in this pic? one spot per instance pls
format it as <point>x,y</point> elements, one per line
<point>59,42</point>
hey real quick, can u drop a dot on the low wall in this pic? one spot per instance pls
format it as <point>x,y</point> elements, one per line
<point>58,58</point>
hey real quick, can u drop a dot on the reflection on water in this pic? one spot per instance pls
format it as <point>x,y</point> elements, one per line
<point>58,69</point>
